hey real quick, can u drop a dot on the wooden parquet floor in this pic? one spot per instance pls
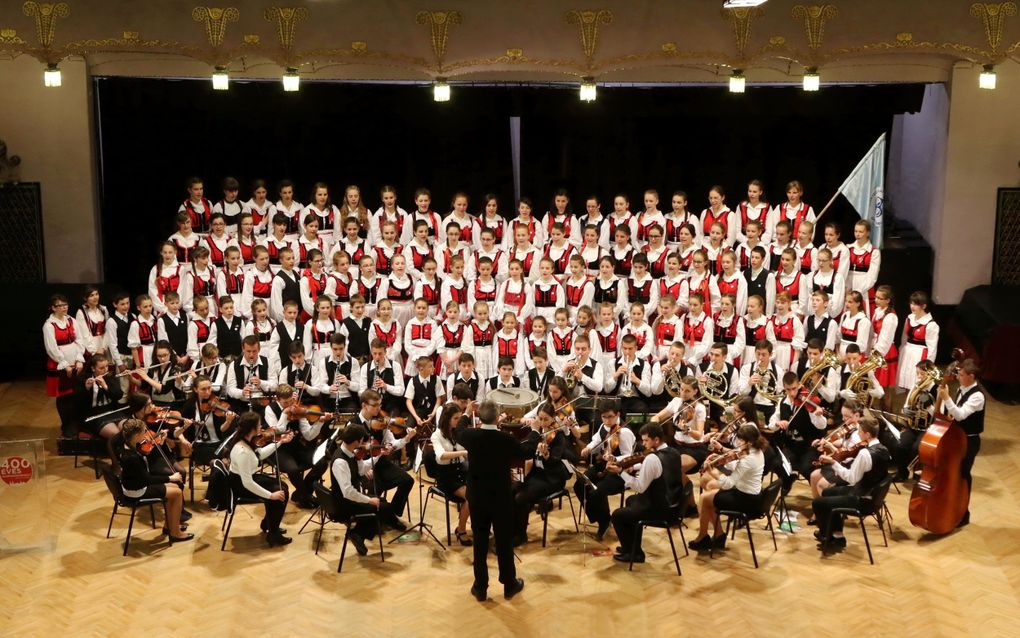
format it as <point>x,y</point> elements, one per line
<point>967,583</point>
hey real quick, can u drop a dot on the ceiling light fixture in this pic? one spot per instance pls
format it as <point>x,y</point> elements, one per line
<point>291,80</point>
<point>51,76</point>
<point>737,81</point>
<point>441,90</point>
<point>812,81</point>
<point>588,89</point>
<point>220,79</point>
<point>987,79</point>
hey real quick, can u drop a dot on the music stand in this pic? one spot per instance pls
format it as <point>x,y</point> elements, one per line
<point>421,525</point>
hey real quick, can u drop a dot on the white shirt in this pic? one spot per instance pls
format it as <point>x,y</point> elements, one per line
<point>974,403</point>
<point>746,475</point>
<point>244,461</point>
<point>342,472</point>
<point>651,469</point>
<point>857,469</point>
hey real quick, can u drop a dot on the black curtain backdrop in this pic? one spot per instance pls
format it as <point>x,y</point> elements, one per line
<point>155,133</point>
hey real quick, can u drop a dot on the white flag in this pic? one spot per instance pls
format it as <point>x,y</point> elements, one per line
<point>865,189</point>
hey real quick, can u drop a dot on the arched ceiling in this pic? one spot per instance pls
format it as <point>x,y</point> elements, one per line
<point>518,40</point>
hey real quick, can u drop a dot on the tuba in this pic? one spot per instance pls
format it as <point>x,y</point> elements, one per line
<point>768,385</point>
<point>860,382</point>
<point>829,359</point>
<point>921,397</point>
<point>715,387</point>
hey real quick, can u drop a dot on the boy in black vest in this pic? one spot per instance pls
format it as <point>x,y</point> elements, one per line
<point>505,378</point>
<point>967,409</point>
<point>379,374</point>
<point>385,473</point>
<point>228,330</point>
<point>286,285</point>
<point>466,374</point>
<point>285,333</point>
<point>356,328</point>
<point>250,377</point>
<point>424,393</point>
<point>869,468</point>
<point>295,457</point>
<point>300,375</point>
<point>173,328</point>
<point>338,378</point>
<point>800,423</point>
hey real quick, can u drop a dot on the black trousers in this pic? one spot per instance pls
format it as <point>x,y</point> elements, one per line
<point>801,455</point>
<point>367,527</point>
<point>625,522</point>
<point>973,447</point>
<point>492,509</point>
<point>274,509</point>
<point>69,422</point>
<point>538,484</point>
<point>389,476</point>
<point>294,458</point>
<point>595,498</point>
<point>832,498</point>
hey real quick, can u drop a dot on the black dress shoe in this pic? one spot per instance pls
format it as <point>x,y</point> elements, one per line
<point>719,542</point>
<point>180,539</point>
<point>279,530</point>
<point>511,590</point>
<point>397,524</point>
<point>832,544</point>
<point>276,539</point>
<point>627,558</point>
<point>702,545</point>
<point>479,594</point>
<point>359,544</point>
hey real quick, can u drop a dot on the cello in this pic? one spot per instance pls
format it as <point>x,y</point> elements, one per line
<point>940,498</point>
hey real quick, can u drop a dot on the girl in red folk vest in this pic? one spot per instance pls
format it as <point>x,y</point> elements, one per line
<point>313,284</point>
<point>246,241</point>
<point>540,338</point>
<point>641,330</point>
<point>429,286</point>
<point>641,287</point>
<point>622,251</point>
<point>547,293</point>
<point>667,328</point>
<point>714,245</point>
<point>259,284</point>
<point>389,331</point>
<point>421,337</point>
<point>643,221</point>
<point>201,329</point>
<point>351,244</point>
<point>276,241</point>
<point>479,336</point>
<point>656,251</point>
<point>679,217</point>
<point>90,323</point>
<point>418,249</point>
<point>322,208</point>
<point>687,247</point>
<point>484,288</point>
<point>883,341</point>
<point>491,251</point>
<point>559,250</point>
<point>840,253</point>
<point>308,241</point>
<point>590,250</point>
<point>217,241</point>
<point>339,285</point>
<point>807,254</point>
<point>673,281</point>
<point>789,279</point>
<point>354,208</point>
<point>423,199</point>
<point>525,252</point>
<point>854,327</point>
<point>289,208</point>
<point>609,288</point>
<point>525,219</point>
<point>459,215</point>
<point>262,211</point>
<point>699,281</point>
<point>231,279</point>
<point>65,350</point>
<point>577,289</point>
<point>621,215</point>
<point>261,325</point>
<point>399,289</point>
<point>593,217</point>
<point>230,206</point>
<point>389,212</point>
<point>515,295</point>
<point>757,326</point>
<point>560,213</point>
<point>200,282</point>
<point>788,332</point>
<point>865,261</point>
<point>698,330</point>
<point>509,344</point>
<point>731,282</point>
<point>729,329</point>
<point>793,210</point>
<point>385,250</point>
<point>829,281</point>
<point>561,338</point>
<point>607,334</point>
<point>165,277</point>
<point>490,218</point>
<point>369,285</point>
<point>451,333</point>
<point>754,208</point>
<point>752,238</point>
<point>452,247</point>
<point>455,287</point>
<point>184,240</point>
<point>920,340</point>
<point>717,211</point>
<point>196,206</point>
<point>318,332</point>
<point>143,333</point>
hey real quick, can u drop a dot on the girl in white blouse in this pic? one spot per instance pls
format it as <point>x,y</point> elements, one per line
<point>245,459</point>
<point>737,491</point>
<point>451,458</point>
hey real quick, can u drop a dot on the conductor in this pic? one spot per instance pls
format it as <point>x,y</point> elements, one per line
<point>488,492</point>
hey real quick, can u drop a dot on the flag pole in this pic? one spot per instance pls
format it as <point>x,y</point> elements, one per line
<point>827,206</point>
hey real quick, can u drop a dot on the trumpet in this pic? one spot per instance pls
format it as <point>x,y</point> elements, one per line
<point>568,374</point>
<point>626,385</point>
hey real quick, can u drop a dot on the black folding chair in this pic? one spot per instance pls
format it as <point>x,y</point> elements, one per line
<point>673,518</point>
<point>119,500</point>
<point>769,495</point>
<point>871,506</point>
<point>331,511</point>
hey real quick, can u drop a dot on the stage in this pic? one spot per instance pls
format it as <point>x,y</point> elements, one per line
<point>967,583</point>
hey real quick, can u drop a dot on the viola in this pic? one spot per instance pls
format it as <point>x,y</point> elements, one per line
<point>151,440</point>
<point>166,416</point>
<point>267,436</point>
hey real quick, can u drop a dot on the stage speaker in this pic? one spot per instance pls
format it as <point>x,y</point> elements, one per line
<point>1006,258</point>
<point>22,259</point>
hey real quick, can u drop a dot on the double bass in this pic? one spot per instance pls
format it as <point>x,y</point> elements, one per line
<point>940,498</point>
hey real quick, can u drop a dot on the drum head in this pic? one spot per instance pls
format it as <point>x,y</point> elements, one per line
<point>511,397</point>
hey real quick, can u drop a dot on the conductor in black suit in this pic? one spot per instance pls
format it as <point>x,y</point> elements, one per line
<point>488,492</point>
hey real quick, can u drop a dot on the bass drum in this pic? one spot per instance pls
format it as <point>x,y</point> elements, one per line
<point>514,403</point>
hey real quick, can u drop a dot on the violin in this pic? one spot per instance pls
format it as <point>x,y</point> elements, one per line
<point>632,460</point>
<point>166,416</point>
<point>368,451</point>
<point>397,426</point>
<point>215,405</point>
<point>807,400</point>
<point>151,440</point>
<point>845,454</point>
<point>311,414</point>
<point>267,436</point>
<point>840,432</point>
<point>719,460</point>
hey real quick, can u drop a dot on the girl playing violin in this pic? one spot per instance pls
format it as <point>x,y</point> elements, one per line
<point>548,473</point>
<point>737,491</point>
<point>451,457</point>
<point>245,480</point>
<point>137,481</point>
